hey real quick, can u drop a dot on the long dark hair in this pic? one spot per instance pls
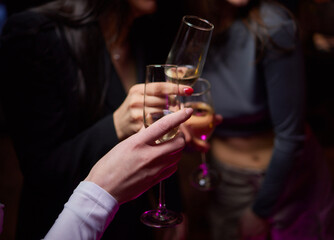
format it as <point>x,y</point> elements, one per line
<point>78,23</point>
<point>253,20</point>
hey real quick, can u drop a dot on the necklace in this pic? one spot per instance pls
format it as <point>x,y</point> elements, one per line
<point>115,50</point>
<point>116,54</point>
<point>119,53</point>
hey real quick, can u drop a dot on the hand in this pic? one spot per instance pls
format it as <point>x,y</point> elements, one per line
<point>197,144</point>
<point>252,226</point>
<point>136,164</point>
<point>128,118</point>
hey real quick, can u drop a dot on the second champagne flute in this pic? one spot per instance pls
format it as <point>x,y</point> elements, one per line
<point>160,99</point>
<point>190,48</point>
<point>201,125</point>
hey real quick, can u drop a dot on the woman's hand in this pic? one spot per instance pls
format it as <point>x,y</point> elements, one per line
<point>252,227</point>
<point>136,164</point>
<point>128,118</point>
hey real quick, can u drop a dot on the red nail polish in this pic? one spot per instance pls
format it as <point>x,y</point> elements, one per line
<point>188,91</point>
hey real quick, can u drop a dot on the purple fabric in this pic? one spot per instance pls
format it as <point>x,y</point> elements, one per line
<point>305,209</point>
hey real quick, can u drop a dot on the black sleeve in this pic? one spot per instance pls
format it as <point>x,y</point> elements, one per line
<point>40,103</point>
<point>285,85</point>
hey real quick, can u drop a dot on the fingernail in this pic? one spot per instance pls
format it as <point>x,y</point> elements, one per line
<point>188,91</point>
<point>189,111</point>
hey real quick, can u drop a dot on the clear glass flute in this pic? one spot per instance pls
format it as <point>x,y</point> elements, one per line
<point>201,125</point>
<point>160,99</point>
<point>190,48</point>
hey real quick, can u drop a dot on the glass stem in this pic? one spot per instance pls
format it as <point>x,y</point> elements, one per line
<point>162,204</point>
<point>204,164</point>
<point>203,157</point>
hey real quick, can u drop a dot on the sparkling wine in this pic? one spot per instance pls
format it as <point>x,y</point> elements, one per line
<point>186,75</point>
<point>201,121</point>
<point>152,117</point>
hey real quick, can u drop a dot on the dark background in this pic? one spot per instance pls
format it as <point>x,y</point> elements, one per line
<point>313,16</point>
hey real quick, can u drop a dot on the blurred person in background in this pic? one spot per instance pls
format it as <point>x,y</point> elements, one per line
<point>71,90</point>
<point>275,181</point>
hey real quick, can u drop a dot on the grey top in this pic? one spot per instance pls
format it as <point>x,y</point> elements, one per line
<point>255,96</point>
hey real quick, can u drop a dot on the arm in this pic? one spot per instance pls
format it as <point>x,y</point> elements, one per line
<point>283,74</point>
<point>86,215</point>
<point>284,77</point>
<point>92,207</point>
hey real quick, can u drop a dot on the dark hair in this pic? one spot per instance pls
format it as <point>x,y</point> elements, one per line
<point>249,14</point>
<point>76,13</point>
<point>260,30</point>
<point>78,23</point>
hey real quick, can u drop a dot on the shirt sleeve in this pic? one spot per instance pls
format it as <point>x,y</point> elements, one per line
<point>285,85</point>
<point>86,215</point>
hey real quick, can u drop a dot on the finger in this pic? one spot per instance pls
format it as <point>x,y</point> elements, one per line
<point>165,124</point>
<point>152,114</point>
<point>173,146</point>
<point>135,100</point>
<point>135,115</point>
<point>185,90</point>
<point>137,88</point>
<point>167,88</point>
<point>155,101</point>
<point>160,88</point>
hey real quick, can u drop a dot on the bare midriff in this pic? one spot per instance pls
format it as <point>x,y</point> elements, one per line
<point>252,152</point>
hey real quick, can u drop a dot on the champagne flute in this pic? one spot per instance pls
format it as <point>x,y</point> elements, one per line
<point>190,48</point>
<point>201,125</point>
<point>160,99</point>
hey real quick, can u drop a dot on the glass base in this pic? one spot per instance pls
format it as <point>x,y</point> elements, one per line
<point>204,178</point>
<point>161,218</point>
